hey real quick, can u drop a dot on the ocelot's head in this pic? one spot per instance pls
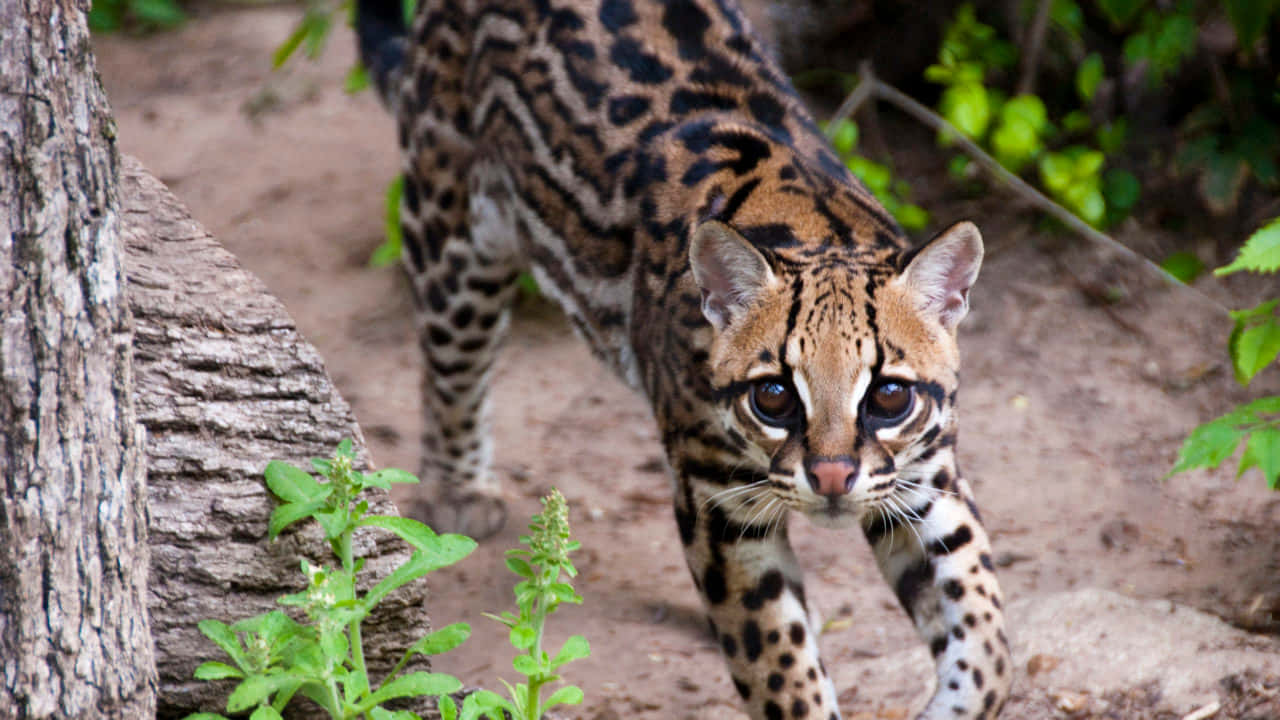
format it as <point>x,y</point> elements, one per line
<point>838,366</point>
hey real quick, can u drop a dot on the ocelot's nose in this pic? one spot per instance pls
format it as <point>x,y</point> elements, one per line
<point>832,477</point>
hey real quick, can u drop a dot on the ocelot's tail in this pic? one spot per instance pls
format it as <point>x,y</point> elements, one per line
<point>383,35</point>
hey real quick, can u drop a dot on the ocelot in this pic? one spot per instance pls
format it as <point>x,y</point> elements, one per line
<point>653,168</point>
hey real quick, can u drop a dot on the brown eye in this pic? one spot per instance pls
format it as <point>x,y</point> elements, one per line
<point>890,400</point>
<point>774,402</point>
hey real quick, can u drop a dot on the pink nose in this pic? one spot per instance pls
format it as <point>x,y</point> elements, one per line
<point>832,478</point>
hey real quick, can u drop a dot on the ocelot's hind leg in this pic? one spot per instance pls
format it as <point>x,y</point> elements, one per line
<point>463,281</point>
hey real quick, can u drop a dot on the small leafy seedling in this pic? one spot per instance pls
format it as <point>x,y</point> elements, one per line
<point>545,570</point>
<point>1254,345</point>
<point>276,657</point>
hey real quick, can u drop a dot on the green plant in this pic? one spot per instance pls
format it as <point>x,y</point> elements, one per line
<point>1254,345</point>
<point>893,194</point>
<point>276,657</point>
<point>114,15</point>
<point>544,570</point>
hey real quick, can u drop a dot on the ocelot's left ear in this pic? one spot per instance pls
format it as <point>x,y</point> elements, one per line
<point>941,273</point>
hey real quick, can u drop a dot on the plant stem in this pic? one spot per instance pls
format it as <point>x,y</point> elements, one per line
<point>355,638</point>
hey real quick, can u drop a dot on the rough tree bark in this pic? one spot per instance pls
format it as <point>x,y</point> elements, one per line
<point>74,635</point>
<point>224,384</point>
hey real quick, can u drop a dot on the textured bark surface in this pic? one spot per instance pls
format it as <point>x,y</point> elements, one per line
<point>225,384</point>
<point>74,639</point>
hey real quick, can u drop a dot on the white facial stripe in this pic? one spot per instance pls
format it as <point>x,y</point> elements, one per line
<point>802,389</point>
<point>860,387</point>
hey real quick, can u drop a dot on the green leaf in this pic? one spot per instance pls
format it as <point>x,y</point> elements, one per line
<point>1121,188</point>
<point>575,648</point>
<point>357,80</point>
<point>568,695</point>
<point>442,640</point>
<point>1183,266</point>
<point>845,138</point>
<point>287,48</point>
<point>411,531</point>
<point>265,712</point>
<point>1263,451</point>
<point>1088,76</point>
<point>333,521</point>
<point>205,716</point>
<point>522,637</point>
<point>1207,446</point>
<point>395,476</point>
<point>968,108</point>
<point>292,484</point>
<point>412,685</point>
<point>389,251</point>
<point>1249,18</point>
<point>285,515</point>
<point>913,218</point>
<point>519,567</point>
<point>225,638</point>
<point>526,666</point>
<point>254,689</point>
<point>1121,12</point>
<point>160,13</point>
<point>449,550</point>
<point>447,707</point>
<point>489,703</point>
<point>1254,349</point>
<point>216,671</point>
<point>1260,253</point>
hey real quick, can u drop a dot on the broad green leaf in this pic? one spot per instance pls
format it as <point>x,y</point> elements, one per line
<point>448,708</point>
<point>575,648</point>
<point>526,666</point>
<point>1260,253</point>
<point>1263,452</point>
<point>205,716</point>
<point>357,79</point>
<point>412,685</point>
<point>1121,12</point>
<point>845,138</point>
<point>1088,76</point>
<point>389,251</point>
<point>254,689</point>
<point>1183,266</point>
<point>489,704</point>
<point>333,521</point>
<point>913,218</point>
<point>568,695</point>
<point>1207,446</point>
<point>1121,188</point>
<point>519,567</point>
<point>1254,349</point>
<point>225,638</point>
<point>411,531</point>
<point>216,671</point>
<point>967,107</point>
<point>265,712</point>
<point>1249,18</point>
<point>395,476</point>
<point>346,447</point>
<point>522,637</point>
<point>442,640</point>
<point>285,515</point>
<point>292,484</point>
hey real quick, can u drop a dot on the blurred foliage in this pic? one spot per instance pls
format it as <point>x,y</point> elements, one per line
<point>141,15</point>
<point>893,194</point>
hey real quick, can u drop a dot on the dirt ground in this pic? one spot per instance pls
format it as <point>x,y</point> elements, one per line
<point>1073,412</point>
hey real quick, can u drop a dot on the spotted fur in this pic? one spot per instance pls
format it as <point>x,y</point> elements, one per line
<point>653,168</point>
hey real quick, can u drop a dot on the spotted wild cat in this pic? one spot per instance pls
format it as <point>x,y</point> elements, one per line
<point>653,168</point>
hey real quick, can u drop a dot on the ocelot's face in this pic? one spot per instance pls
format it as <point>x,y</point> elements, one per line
<point>844,388</point>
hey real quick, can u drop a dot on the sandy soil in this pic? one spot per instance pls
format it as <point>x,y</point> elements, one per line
<point>1073,413</point>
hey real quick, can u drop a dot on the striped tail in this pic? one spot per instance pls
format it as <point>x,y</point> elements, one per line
<point>383,35</point>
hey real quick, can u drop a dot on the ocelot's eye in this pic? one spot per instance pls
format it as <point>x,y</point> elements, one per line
<point>774,401</point>
<point>890,400</point>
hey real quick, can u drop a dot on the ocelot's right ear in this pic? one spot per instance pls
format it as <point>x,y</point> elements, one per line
<point>730,272</point>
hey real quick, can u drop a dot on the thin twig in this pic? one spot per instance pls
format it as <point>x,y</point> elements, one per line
<point>1034,43</point>
<point>866,86</point>
<point>874,87</point>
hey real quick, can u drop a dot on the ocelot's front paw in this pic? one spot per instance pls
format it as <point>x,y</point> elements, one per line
<point>474,514</point>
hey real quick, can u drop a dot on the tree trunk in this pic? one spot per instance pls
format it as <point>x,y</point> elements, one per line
<point>226,384</point>
<point>74,635</point>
